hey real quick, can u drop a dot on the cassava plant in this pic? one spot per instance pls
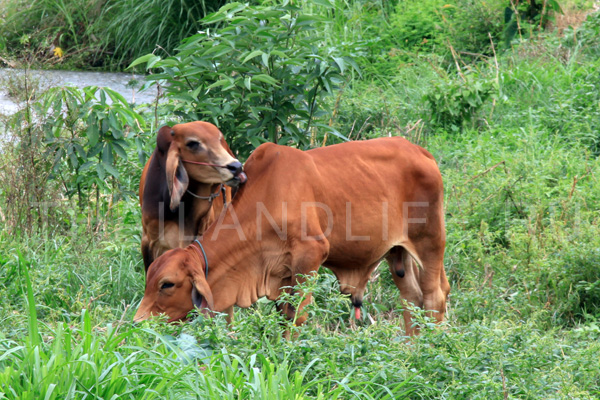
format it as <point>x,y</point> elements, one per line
<point>257,72</point>
<point>70,143</point>
<point>87,133</point>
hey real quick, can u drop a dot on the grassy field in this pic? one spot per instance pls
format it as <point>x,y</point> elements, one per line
<point>516,139</point>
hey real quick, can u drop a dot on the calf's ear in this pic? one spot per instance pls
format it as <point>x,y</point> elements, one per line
<point>177,177</point>
<point>201,294</point>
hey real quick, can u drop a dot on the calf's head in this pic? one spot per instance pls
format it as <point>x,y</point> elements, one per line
<point>189,147</point>
<point>174,285</point>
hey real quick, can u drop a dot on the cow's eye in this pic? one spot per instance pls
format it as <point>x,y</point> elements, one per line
<point>166,285</point>
<point>193,145</point>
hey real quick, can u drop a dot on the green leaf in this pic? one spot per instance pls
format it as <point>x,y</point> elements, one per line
<point>100,171</point>
<point>111,170</point>
<point>332,131</point>
<point>119,150</point>
<point>266,79</point>
<point>324,3</point>
<point>92,130</point>
<point>253,54</point>
<point>80,151</point>
<point>105,126</point>
<point>340,63</point>
<point>107,156</point>
<point>278,53</point>
<point>116,97</point>
<point>222,82</point>
<point>150,59</point>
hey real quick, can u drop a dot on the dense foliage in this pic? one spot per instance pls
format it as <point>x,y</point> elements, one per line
<point>513,123</point>
<point>259,74</point>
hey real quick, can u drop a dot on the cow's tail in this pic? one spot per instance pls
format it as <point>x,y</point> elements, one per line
<point>396,260</point>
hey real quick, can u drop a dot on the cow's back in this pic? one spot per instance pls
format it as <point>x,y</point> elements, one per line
<point>363,192</point>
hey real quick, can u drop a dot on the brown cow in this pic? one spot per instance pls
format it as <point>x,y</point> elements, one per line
<point>179,202</point>
<point>346,207</point>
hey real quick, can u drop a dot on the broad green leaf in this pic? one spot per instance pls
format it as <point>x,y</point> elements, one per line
<point>340,63</point>
<point>333,131</point>
<point>111,170</point>
<point>253,54</point>
<point>119,150</point>
<point>278,53</point>
<point>116,97</point>
<point>92,130</point>
<point>100,171</point>
<point>222,82</point>
<point>148,59</point>
<point>266,79</point>
<point>107,156</point>
<point>80,151</point>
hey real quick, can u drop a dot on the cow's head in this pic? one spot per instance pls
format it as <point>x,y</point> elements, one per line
<point>196,142</point>
<point>174,285</point>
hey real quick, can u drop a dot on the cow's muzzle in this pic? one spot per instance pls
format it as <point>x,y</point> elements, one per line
<point>239,177</point>
<point>235,168</point>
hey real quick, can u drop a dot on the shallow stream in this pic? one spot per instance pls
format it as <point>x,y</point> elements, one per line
<point>46,79</point>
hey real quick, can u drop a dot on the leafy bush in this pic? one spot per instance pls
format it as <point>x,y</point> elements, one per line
<point>259,75</point>
<point>432,26</point>
<point>84,153</point>
<point>419,25</point>
<point>454,102</point>
<point>70,143</point>
<point>472,27</point>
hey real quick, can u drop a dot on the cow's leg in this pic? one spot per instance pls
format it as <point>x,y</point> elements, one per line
<point>405,273</point>
<point>307,257</point>
<point>229,317</point>
<point>432,280</point>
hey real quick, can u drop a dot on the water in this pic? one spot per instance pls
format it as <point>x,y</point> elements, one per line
<point>116,81</point>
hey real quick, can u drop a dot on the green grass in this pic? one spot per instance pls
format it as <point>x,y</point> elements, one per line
<point>523,250</point>
<point>520,324</point>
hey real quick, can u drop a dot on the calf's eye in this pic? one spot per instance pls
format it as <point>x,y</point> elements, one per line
<point>166,285</point>
<point>193,145</point>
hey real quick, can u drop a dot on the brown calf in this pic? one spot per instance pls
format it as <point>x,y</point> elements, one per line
<point>179,193</point>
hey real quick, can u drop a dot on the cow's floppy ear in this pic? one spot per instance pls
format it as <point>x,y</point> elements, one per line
<point>177,177</point>
<point>201,294</point>
<point>164,137</point>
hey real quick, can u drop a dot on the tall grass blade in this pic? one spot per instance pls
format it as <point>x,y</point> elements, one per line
<point>34,334</point>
